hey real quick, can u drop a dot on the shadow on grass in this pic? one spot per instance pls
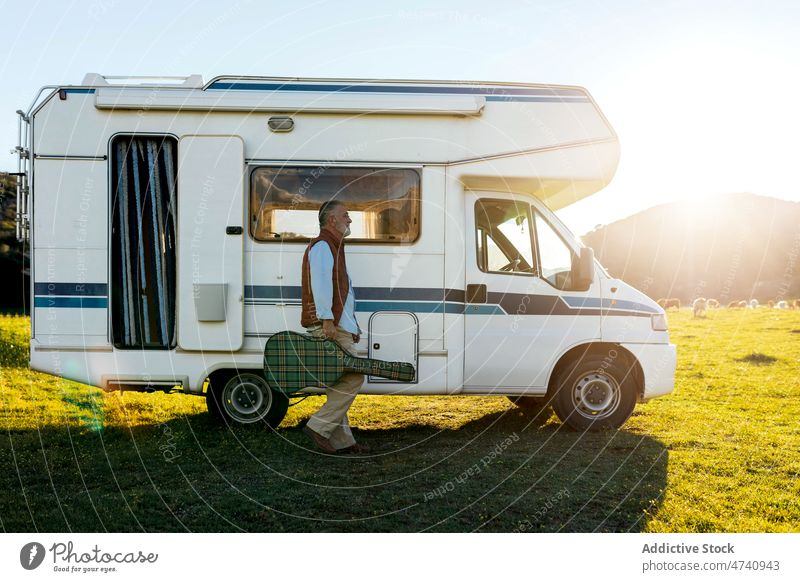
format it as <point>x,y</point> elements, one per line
<point>502,472</point>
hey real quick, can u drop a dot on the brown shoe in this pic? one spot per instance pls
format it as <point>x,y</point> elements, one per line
<point>354,449</point>
<point>320,441</point>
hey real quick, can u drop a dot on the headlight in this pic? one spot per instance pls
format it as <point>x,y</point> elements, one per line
<point>659,322</point>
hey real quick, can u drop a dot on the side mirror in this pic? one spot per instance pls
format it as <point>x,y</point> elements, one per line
<point>583,270</point>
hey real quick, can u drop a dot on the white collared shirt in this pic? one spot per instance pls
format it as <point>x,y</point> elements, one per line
<point>320,261</point>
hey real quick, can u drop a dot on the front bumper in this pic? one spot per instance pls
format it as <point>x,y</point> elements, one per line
<point>658,363</point>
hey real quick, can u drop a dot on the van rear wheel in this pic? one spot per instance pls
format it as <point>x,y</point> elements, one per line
<point>595,394</point>
<point>244,398</point>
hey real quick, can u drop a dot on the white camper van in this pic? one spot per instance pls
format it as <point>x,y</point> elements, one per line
<point>167,220</point>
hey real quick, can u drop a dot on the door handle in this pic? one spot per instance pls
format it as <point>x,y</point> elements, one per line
<point>476,293</point>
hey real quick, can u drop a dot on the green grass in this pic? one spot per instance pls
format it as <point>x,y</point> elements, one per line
<point>720,454</point>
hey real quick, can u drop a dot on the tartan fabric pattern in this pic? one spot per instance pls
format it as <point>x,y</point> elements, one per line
<point>294,361</point>
<point>392,370</point>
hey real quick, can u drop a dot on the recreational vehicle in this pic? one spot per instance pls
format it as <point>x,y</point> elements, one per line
<point>167,220</point>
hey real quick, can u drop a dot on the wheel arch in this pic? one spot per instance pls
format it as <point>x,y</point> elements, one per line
<point>225,367</point>
<point>613,351</point>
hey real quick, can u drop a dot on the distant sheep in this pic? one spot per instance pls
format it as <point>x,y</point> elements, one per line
<point>770,304</point>
<point>676,303</point>
<point>782,305</point>
<point>795,304</point>
<point>699,307</point>
<point>712,303</point>
<point>753,304</point>
<point>743,304</point>
<point>662,303</point>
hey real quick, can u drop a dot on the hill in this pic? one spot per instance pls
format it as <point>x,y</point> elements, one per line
<point>730,247</point>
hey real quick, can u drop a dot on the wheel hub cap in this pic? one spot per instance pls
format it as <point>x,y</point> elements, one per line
<point>246,399</point>
<point>596,395</point>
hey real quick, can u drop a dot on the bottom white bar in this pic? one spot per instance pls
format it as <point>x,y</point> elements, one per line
<point>334,557</point>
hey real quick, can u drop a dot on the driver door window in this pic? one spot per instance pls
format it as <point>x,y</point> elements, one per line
<point>503,235</point>
<point>555,257</point>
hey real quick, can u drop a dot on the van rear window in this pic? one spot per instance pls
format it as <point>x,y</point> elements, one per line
<point>383,203</point>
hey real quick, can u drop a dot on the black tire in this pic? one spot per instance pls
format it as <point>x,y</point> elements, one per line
<point>244,398</point>
<point>595,394</point>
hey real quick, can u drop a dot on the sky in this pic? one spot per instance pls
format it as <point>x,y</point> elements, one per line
<point>701,93</point>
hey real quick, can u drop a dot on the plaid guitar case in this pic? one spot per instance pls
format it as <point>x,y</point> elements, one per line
<point>293,361</point>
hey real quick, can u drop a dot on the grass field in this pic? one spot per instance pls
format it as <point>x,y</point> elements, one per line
<point>721,454</point>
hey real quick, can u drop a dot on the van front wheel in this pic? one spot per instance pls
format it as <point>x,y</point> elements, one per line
<point>595,394</point>
<point>245,398</point>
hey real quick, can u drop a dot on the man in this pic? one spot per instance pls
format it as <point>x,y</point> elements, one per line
<point>328,310</point>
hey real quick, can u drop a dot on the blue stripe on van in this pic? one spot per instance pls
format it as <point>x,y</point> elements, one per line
<point>607,303</point>
<point>288,293</point>
<point>403,293</point>
<point>491,93</point>
<point>72,295</point>
<point>413,306</point>
<point>78,90</point>
<point>418,300</point>
<point>273,292</point>
<point>84,289</point>
<point>478,309</point>
<point>76,302</point>
<point>433,300</point>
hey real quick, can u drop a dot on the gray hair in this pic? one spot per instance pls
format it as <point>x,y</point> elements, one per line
<point>326,209</point>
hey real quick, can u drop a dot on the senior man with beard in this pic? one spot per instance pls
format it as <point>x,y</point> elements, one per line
<point>328,311</point>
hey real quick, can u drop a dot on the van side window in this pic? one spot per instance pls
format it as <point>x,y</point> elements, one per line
<point>503,237</point>
<point>384,203</point>
<point>555,257</point>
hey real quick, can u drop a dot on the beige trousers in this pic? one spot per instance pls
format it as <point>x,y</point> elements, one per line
<point>331,420</point>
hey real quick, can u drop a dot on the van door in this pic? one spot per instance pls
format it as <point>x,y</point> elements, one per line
<point>210,241</point>
<point>393,337</point>
<point>520,314</point>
